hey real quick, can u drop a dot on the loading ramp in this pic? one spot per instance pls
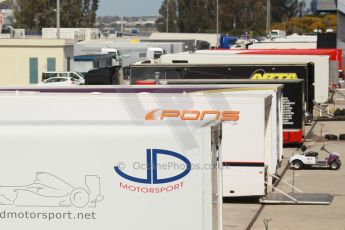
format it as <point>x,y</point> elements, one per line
<point>297,198</point>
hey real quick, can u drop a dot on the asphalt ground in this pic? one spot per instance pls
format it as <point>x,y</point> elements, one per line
<point>249,214</point>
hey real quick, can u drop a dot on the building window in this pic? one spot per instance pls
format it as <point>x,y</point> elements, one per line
<point>51,64</point>
<point>68,64</point>
<point>33,70</point>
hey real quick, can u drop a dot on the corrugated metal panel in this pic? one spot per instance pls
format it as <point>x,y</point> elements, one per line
<point>326,5</point>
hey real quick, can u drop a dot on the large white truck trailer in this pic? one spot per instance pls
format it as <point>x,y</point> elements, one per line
<point>335,57</point>
<point>252,144</point>
<point>79,161</point>
<point>298,99</point>
<point>321,65</point>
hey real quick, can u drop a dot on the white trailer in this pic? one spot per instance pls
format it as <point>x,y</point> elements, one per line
<point>273,161</point>
<point>244,164</point>
<point>331,53</point>
<point>251,145</point>
<point>211,38</point>
<point>128,52</point>
<point>75,161</point>
<point>321,65</point>
<point>293,41</point>
<point>284,45</point>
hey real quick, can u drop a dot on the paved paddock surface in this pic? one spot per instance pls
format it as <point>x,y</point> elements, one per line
<point>285,217</point>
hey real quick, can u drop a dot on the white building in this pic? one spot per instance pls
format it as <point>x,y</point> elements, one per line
<point>24,60</point>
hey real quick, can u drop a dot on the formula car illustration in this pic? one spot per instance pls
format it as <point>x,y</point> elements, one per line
<point>49,190</point>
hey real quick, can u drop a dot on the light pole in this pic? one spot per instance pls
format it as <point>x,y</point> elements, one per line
<point>167,29</point>
<point>268,17</point>
<point>245,20</point>
<point>121,9</point>
<point>58,19</point>
<point>217,23</point>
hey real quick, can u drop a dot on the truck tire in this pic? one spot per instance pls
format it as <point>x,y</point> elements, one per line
<point>342,137</point>
<point>297,164</point>
<point>335,165</point>
<point>331,137</point>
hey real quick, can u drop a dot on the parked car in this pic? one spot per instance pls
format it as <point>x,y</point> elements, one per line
<point>60,81</point>
<point>75,75</point>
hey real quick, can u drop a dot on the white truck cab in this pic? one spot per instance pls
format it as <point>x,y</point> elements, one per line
<point>154,53</point>
<point>115,53</point>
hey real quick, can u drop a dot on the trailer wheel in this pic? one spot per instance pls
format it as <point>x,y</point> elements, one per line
<point>342,137</point>
<point>297,164</point>
<point>335,165</point>
<point>331,137</point>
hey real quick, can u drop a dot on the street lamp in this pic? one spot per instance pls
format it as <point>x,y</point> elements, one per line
<point>217,23</point>
<point>167,26</point>
<point>121,9</point>
<point>58,19</point>
<point>268,17</point>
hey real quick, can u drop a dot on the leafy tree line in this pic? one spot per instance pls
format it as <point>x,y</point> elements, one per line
<point>308,24</point>
<point>35,14</point>
<point>235,16</point>
<point>7,4</point>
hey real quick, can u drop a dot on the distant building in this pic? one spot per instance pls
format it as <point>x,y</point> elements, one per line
<point>24,60</point>
<point>77,34</point>
<point>335,6</point>
<point>326,5</point>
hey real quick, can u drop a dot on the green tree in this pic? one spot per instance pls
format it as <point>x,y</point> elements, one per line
<point>196,15</point>
<point>91,14</point>
<point>238,16</point>
<point>235,16</point>
<point>283,9</point>
<point>7,4</point>
<point>71,13</point>
<point>45,14</point>
<point>162,21</point>
<point>24,14</point>
<point>308,24</point>
<point>78,13</point>
<point>35,14</point>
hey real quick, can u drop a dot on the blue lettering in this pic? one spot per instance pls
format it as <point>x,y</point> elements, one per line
<point>151,170</point>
